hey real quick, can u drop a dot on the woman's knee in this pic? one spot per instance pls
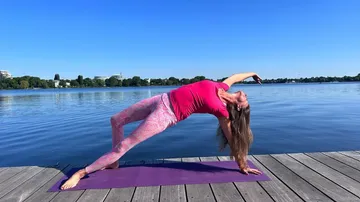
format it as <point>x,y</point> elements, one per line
<point>113,121</point>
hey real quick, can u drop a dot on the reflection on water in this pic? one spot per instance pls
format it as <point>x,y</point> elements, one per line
<point>72,125</point>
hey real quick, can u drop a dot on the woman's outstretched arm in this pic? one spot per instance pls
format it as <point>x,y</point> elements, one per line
<point>241,77</point>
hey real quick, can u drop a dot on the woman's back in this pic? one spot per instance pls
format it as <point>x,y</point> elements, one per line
<point>198,97</point>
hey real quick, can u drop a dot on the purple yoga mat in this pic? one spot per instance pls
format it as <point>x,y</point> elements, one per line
<point>162,174</point>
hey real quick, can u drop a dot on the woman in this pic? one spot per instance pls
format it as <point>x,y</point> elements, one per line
<point>163,111</point>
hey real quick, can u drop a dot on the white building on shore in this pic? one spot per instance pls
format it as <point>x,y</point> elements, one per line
<point>5,74</point>
<point>101,77</point>
<point>117,76</point>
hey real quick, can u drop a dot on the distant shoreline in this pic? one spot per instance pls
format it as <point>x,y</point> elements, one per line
<point>342,82</point>
<point>30,82</point>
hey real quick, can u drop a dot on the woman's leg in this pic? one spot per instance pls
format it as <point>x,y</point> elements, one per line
<point>135,112</point>
<point>160,118</point>
<point>157,121</point>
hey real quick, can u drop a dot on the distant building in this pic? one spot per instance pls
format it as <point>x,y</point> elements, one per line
<point>101,77</point>
<point>56,82</point>
<point>5,74</point>
<point>118,76</point>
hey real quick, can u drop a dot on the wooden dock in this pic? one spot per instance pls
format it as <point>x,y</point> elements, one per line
<point>328,176</point>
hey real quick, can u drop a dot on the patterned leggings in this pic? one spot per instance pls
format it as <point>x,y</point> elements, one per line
<point>157,116</point>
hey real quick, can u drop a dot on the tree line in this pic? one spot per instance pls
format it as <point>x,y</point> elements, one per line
<point>29,82</point>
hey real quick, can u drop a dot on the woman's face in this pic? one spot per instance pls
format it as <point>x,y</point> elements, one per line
<point>241,99</point>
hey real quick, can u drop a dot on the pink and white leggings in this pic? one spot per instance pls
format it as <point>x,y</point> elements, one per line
<point>157,115</point>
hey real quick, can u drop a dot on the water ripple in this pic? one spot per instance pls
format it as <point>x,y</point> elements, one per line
<point>73,125</point>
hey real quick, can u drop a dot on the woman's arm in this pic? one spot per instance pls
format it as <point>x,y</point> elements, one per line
<point>240,77</point>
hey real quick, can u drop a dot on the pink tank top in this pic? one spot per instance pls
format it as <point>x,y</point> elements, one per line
<point>198,97</point>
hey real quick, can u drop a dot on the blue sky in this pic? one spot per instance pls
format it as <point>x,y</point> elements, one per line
<point>159,39</point>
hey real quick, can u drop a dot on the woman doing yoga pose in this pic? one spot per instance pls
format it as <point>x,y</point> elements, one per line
<point>165,110</point>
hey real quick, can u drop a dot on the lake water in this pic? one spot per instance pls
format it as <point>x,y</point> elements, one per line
<point>40,127</point>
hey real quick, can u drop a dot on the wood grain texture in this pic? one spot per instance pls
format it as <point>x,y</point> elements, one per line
<point>323,184</point>
<point>250,191</point>
<point>338,178</point>
<point>337,165</point>
<point>301,187</point>
<point>275,188</point>
<point>18,179</point>
<point>344,159</point>
<point>41,195</point>
<point>27,188</point>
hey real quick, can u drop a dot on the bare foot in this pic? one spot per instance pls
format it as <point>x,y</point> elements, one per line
<point>74,179</point>
<point>112,166</point>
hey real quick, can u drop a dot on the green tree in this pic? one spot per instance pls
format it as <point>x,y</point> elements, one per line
<point>111,82</point>
<point>135,81</point>
<point>57,77</point>
<point>144,82</point>
<point>80,80</point>
<point>43,84</point>
<point>88,82</point>
<point>357,78</point>
<point>51,83</point>
<point>14,84</point>
<point>157,82</point>
<point>185,81</point>
<point>62,83</point>
<point>119,83</point>
<point>74,83</point>
<point>126,82</point>
<point>174,81</point>
<point>99,83</point>
<point>24,84</point>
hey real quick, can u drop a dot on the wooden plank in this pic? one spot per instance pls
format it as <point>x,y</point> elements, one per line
<point>338,178</point>
<point>224,192</point>
<point>320,182</point>
<point>95,195</point>
<point>198,192</point>
<point>251,191</point>
<point>24,190</point>
<point>209,158</point>
<point>146,193</point>
<point>302,188</point>
<point>123,195</point>
<point>344,159</point>
<point>2,169</point>
<point>41,195</point>
<point>120,194</point>
<point>10,172</point>
<point>352,154</point>
<point>155,161</point>
<point>172,160</point>
<point>336,165</point>
<point>173,193</point>
<point>68,196</point>
<point>275,188</point>
<point>18,179</point>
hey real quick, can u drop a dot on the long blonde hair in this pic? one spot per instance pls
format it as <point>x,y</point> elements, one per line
<point>242,136</point>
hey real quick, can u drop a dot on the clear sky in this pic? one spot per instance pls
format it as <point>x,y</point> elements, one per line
<point>181,38</point>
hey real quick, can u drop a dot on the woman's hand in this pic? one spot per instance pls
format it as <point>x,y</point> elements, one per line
<point>248,170</point>
<point>257,78</point>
